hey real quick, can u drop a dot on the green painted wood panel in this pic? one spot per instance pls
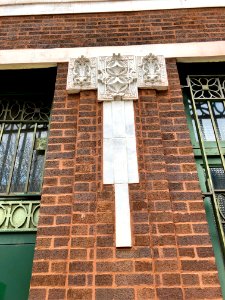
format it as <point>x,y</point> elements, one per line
<point>16,258</point>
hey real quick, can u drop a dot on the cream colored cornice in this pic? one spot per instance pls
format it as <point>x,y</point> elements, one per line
<point>185,52</point>
<point>39,7</point>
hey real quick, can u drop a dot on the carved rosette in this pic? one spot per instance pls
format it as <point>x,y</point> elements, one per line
<point>152,72</point>
<point>117,78</point>
<point>81,74</point>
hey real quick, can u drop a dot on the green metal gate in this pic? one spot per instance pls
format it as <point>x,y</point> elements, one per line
<point>204,98</point>
<point>24,123</point>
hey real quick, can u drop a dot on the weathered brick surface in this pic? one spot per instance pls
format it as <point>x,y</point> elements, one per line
<point>53,241</point>
<point>171,255</point>
<point>75,255</point>
<point>109,29</point>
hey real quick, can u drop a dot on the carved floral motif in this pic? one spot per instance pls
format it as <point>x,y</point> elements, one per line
<point>117,78</point>
<point>152,72</point>
<point>151,68</point>
<point>81,74</point>
<point>82,71</point>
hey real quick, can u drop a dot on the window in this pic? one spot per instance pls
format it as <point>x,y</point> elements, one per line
<point>204,99</point>
<point>24,119</point>
<point>25,105</point>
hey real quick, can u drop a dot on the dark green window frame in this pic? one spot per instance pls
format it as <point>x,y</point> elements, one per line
<point>204,100</point>
<point>24,123</point>
<point>25,107</point>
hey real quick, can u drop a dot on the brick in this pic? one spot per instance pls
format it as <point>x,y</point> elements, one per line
<point>205,293</point>
<point>105,228</point>
<point>142,266</point>
<point>114,294</point>
<point>79,294</point>
<point>78,254</point>
<point>83,242</point>
<point>193,240</point>
<point>132,280</point>
<point>166,265</point>
<point>37,293</point>
<point>164,240</point>
<point>61,242</point>
<point>81,187</point>
<point>81,266</point>
<point>117,266</point>
<point>141,228</point>
<point>55,254</point>
<point>146,293</point>
<point>103,253</point>
<point>54,231</point>
<point>210,279</point>
<point>77,280</point>
<point>171,279</point>
<point>183,228</point>
<point>65,220</point>
<point>195,265</point>
<point>142,240</point>
<point>43,242</point>
<point>205,252</point>
<point>104,241</point>
<point>40,267</point>
<point>169,252</point>
<point>165,293</point>
<point>190,279</point>
<point>166,228</point>
<point>54,294</point>
<point>186,252</point>
<point>48,280</point>
<point>103,280</point>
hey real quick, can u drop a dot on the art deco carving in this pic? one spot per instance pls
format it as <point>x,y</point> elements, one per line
<point>117,78</point>
<point>152,72</point>
<point>81,74</point>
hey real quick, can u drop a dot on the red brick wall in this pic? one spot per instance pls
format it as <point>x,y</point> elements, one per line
<point>75,256</point>
<point>169,26</point>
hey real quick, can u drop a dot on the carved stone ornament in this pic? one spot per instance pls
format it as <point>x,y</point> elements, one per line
<point>152,72</point>
<point>81,74</point>
<point>117,78</point>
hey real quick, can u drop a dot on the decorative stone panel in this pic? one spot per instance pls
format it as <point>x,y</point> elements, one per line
<point>117,79</point>
<point>152,72</point>
<point>82,74</point>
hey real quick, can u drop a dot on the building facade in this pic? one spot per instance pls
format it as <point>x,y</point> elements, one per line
<point>118,107</point>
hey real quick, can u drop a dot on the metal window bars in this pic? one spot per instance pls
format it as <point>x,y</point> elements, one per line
<point>24,123</point>
<point>207,109</point>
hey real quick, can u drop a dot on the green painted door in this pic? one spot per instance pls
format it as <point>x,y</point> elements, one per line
<point>16,256</point>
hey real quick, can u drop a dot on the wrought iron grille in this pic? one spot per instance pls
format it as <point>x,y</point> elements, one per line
<point>206,104</point>
<point>23,139</point>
